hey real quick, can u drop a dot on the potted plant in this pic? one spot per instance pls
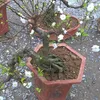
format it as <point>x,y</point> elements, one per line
<point>47,17</point>
<point>3,17</point>
<point>54,85</point>
<point>56,67</point>
<point>54,71</point>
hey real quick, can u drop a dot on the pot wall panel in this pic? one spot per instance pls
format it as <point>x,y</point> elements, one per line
<point>3,20</point>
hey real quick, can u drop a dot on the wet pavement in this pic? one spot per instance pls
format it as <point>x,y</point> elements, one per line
<point>88,89</point>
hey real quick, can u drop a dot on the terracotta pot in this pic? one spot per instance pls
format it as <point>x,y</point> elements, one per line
<point>55,90</point>
<point>70,32</point>
<point>3,19</point>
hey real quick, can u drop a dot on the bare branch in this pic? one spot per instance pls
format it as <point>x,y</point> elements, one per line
<point>22,8</point>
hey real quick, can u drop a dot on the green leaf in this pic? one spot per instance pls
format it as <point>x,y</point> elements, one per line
<point>1,15</point>
<point>38,90</point>
<point>85,5</point>
<point>84,34</point>
<point>67,17</point>
<point>44,4</point>
<point>23,80</point>
<point>4,71</point>
<point>36,6</point>
<point>19,59</point>
<point>22,64</point>
<point>1,66</point>
<point>40,72</point>
<point>82,30</point>
<point>2,86</point>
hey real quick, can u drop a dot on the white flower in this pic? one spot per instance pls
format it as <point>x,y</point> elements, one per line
<point>87,17</point>
<point>60,10</point>
<point>53,2</point>
<point>32,32</point>
<point>81,22</point>
<point>28,74</point>
<point>64,30</point>
<point>29,84</point>
<point>14,84</point>
<point>32,38</point>
<point>24,84</point>
<point>62,17</point>
<point>60,37</point>
<point>7,51</point>
<point>95,48</point>
<point>53,24</point>
<point>90,7</point>
<point>78,34</point>
<point>1,98</point>
<point>3,90</point>
<point>55,45</point>
<point>23,20</point>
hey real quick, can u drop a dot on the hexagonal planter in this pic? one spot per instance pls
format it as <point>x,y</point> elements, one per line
<point>55,90</point>
<point>3,18</point>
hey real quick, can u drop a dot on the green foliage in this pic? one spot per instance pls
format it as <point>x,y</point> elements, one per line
<point>1,15</point>
<point>23,80</point>
<point>2,86</point>
<point>38,90</point>
<point>44,4</point>
<point>21,62</point>
<point>4,69</point>
<point>36,6</point>
<point>85,5</point>
<point>68,17</point>
<point>40,72</point>
<point>83,33</point>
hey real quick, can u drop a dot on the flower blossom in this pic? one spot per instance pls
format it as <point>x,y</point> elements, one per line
<point>60,37</point>
<point>55,45</point>
<point>28,74</point>
<point>62,16</point>
<point>14,84</point>
<point>32,32</point>
<point>81,22</point>
<point>90,7</point>
<point>53,24</point>
<point>60,10</point>
<point>64,30</point>
<point>87,17</point>
<point>95,48</point>
<point>23,20</point>
<point>78,34</point>
<point>27,85</point>
<point>53,1</point>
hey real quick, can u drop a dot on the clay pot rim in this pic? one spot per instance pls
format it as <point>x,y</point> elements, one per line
<point>69,81</point>
<point>6,2</point>
<point>70,29</point>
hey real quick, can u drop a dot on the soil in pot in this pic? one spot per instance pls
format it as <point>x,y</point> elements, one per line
<point>68,23</point>
<point>71,61</point>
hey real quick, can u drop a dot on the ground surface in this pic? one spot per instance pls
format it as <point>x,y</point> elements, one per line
<point>88,89</point>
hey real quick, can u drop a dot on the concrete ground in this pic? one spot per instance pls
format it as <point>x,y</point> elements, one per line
<point>88,89</point>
